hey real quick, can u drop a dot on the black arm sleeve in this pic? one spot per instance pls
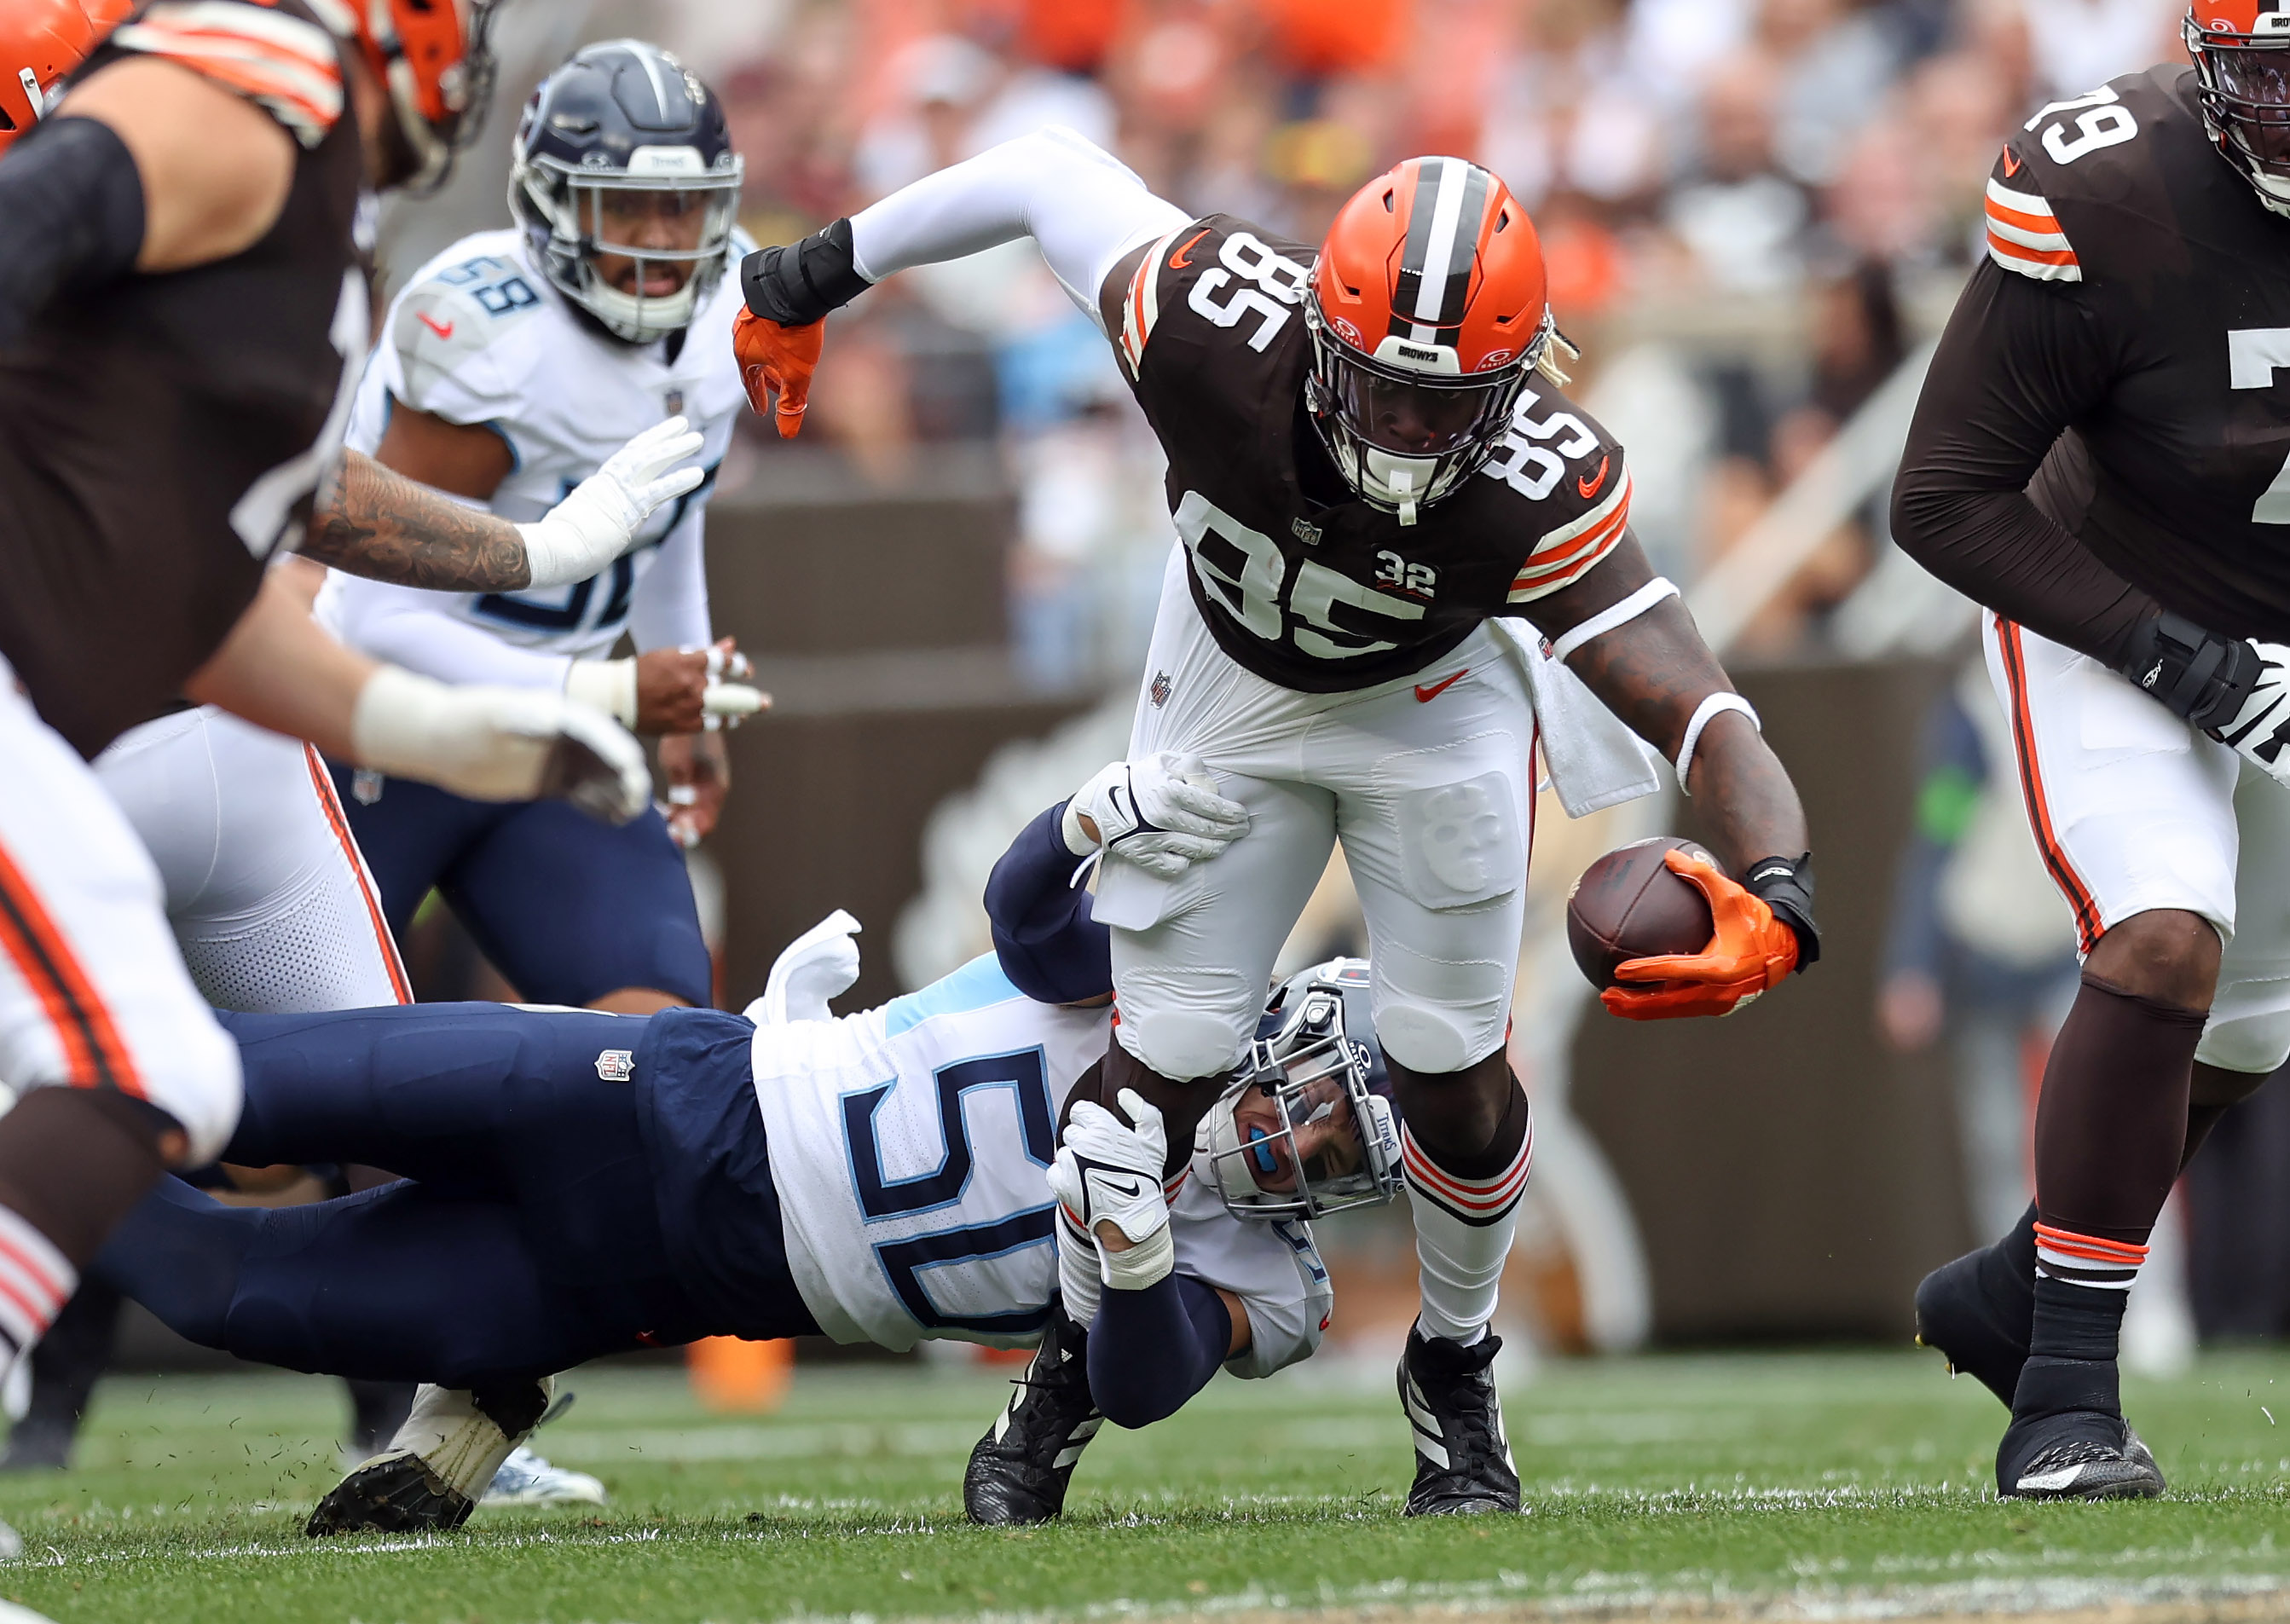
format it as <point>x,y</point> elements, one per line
<point>2021,360</point>
<point>1049,946</point>
<point>73,206</point>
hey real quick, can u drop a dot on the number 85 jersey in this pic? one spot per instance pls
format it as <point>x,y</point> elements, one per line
<point>1300,581</point>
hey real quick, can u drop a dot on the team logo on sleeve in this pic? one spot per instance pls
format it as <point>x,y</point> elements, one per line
<point>616,1065</point>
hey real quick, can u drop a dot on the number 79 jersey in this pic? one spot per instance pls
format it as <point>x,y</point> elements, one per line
<point>1327,597</point>
<point>2155,332</point>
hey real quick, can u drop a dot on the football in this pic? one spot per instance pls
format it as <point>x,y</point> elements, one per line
<point>1628,905</point>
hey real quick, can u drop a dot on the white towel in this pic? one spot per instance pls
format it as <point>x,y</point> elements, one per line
<point>1594,759</point>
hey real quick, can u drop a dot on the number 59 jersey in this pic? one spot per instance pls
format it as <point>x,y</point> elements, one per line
<point>480,337</point>
<point>1328,596</point>
<point>910,1147</point>
<point>2155,331</point>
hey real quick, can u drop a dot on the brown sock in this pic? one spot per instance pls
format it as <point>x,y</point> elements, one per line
<point>2112,1117</point>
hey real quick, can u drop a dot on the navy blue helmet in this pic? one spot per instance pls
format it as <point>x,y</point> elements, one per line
<point>626,187</point>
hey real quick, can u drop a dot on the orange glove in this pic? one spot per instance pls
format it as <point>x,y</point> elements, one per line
<point>776,360</point>
<point>1750,951</point>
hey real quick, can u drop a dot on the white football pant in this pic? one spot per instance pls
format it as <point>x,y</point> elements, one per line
<point>1428,782</point>
<point>271,903</point>
<point>92,991</point>
<point>2134,810</point>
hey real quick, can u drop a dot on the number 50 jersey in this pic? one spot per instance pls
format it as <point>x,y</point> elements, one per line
<point>910,1147</point>
<point>1323,596</point>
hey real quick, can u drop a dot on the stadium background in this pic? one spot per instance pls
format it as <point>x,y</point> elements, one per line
<point>1756,213</point>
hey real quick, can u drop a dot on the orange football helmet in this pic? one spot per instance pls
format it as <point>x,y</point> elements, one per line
<point>2241,52</point>
<point>107,14</point>
<point>1427,308</point>
<point>437,58</point>
<point>41,41</point>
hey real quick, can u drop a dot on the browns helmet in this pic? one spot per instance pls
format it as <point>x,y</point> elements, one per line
<point>2241,52</point>
<point>107,14</point>
<point>1427,308</point>
<point>436,57</point>
<point>41,41</point>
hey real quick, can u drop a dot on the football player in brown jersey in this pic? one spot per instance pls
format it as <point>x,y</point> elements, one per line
<point>1371,468</point>
<point>182,306</point>
<point>2099,458</point>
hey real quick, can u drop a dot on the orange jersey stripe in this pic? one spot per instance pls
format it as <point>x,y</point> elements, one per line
<point>2040,256</point>
<point>331,805</point>
<point>2085,907</point>
<point>94,1056</point>
<point>2046,225</point>
<point>1586,551</point>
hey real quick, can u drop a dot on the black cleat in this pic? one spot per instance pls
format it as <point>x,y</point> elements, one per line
<point>393,1493</point>
<point>1018,1471</point>
<point>1978,1314</point>
<point>2067,1439</point>
<point>1462,1460</point>
<point>2082,1455</point>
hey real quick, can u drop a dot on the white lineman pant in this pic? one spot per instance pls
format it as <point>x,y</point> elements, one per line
<point>2134,810</point>
<point>1426,782</point>
<point>92,993</point>
<point>271,903</point>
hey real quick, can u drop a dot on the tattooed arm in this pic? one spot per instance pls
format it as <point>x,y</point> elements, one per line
<point>371,522</point>
<point>1652,672</point>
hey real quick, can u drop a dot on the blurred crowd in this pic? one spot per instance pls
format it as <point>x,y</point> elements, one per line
<point>1746,205</point>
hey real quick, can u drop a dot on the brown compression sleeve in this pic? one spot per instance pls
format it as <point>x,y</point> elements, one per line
<point>2020,361</point>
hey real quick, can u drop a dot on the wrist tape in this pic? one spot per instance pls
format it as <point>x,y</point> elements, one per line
<point>800,283</point>
<point>1785,886</point>
<point>2192,673</point>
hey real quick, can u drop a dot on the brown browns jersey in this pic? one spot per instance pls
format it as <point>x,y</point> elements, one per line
<point>2161,315</point>
<point>1330,595</point>
<point>161,436</point>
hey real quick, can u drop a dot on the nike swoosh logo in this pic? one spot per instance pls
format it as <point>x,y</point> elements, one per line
<point>1177,260</point>
<point>2011,164</point>
<point>1590,487</point>
<point>1426,695</point>
<point>1128,1188</point>
<point>446,331</point>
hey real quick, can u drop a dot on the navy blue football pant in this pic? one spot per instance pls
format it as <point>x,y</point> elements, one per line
<point>526,1242</point>
<point>567,908</point>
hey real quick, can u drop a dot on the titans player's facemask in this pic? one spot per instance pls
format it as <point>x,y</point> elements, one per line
<point>1305,1131</point>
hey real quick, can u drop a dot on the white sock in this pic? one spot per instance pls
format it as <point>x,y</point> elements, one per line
<point>35,1282</point>
<point>1078,1279</point>
<point>1463,1228</point>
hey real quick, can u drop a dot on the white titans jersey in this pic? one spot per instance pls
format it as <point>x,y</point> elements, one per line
<point>479,336</point>
<point>910,1146</point>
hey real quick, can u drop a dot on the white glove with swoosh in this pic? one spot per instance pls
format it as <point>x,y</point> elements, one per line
<point>599,516</point>
<point>1107,1172</point>
<point>1163,813</point>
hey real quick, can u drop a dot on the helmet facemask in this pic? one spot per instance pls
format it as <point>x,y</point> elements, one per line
<point>1301,1134</point>
<point>591,213</point>
<point>1404,425</point>
<point>2244,87</point>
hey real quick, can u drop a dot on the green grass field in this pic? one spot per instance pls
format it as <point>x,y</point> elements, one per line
<point>1853,1485</point>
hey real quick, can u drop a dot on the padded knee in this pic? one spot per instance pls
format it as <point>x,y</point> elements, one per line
<point>1439,1015</point>
<point>2255,1043</point>
<point>1184,1023</point>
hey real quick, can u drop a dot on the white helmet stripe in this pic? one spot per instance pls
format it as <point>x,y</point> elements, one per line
<point>1440,251</point>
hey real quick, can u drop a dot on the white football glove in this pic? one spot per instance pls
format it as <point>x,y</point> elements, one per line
<point>499,744</point>
<point>1163,813</point>
<point>2261,730</point>
<point>1108,1172</point>
<point>599,517</point>
<point>819,964</point>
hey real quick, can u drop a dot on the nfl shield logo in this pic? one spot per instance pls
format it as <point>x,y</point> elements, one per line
<point>1305,532</point>
<point>1160,689</point>
<point>616,1065</point>
<point>674,401</point>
